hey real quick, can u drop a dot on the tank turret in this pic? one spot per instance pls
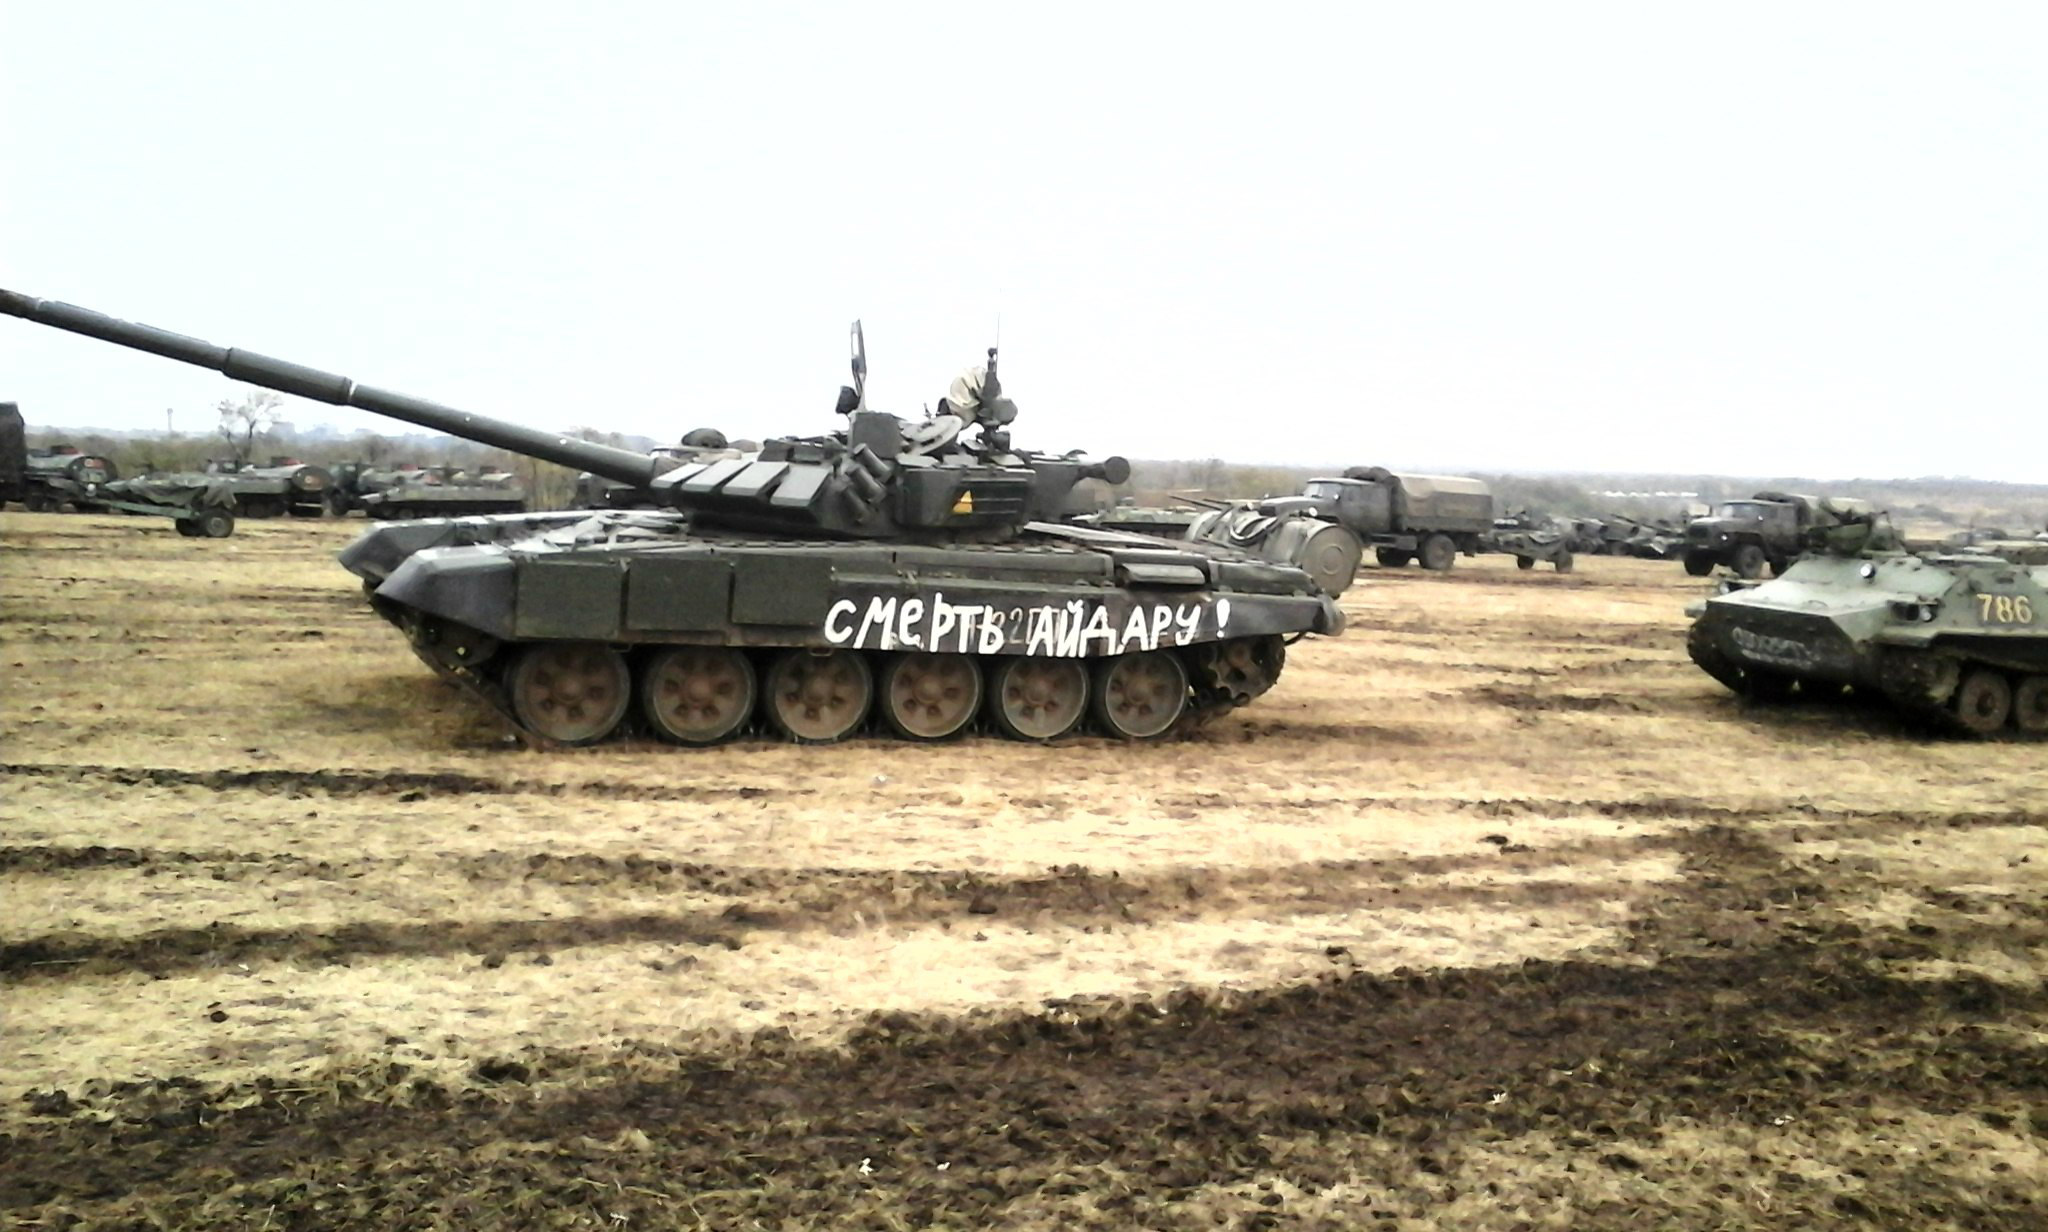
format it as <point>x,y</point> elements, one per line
<point>951,477</point>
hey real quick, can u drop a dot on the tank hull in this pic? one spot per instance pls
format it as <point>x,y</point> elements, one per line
<point>475,596</point>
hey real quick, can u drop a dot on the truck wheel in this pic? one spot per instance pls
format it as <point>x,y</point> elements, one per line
<point>187,527</point>
<point>1563,563</point>
<point>1525,562</point>
<point>1392,558</point>
<point>1438,553</point>
<point>1698,564</point>
<point>1748,561</point>
<point>1778,566</point>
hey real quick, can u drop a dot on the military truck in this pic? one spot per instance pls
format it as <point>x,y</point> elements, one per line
<point>1325,530</point>
<point>1769,529</point>
<point>13,454</point>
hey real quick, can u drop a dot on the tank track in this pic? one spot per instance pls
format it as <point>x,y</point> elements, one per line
<point>1221,677</point>
<point>1920,685</point>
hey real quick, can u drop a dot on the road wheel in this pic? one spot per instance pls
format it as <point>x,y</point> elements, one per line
<point>930,696</point>
<point>2030,706</point>
<point>1438,553</point>
<point>1139,696</point>
<point>1038,699</point>
<point>569,692</point>
<point>188,528</point>
<point>819,698</point>
<point>1392,558</point>
<point>1983,701</point>
<point>1698,564</point>
<point>1748,561</point>
<point>697,694</point>
<point>1563,562</point>
<point>1525,562</point>
<point>214,522</point>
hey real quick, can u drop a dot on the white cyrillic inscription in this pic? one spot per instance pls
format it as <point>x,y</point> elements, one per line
<point>1074,629</point>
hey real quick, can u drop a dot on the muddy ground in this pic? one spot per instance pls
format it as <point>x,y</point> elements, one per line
<point>1496,914</point>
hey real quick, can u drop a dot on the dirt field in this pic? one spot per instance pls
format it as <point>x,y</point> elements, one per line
<point>1496,914</point>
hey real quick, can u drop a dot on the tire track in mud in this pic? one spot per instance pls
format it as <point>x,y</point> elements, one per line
<point>407,785</point>
<point>796,901</point>
<point>1121,1109</point>
<point>166,951</point>
<point>413,786</point>
<point>1504,875</point>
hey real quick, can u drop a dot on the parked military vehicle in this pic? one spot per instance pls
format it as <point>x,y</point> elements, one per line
<point>49,480</point>
<point>1325,530</point>
<point>286,486</point>
<point>63,476</point>
<point>1532,539</point>
<point>1769,529</point>
<point>443,492</point>
<point>895,568</point>
<point>1992,541</point>
<point>13,454</point>
<point>1620,535</point>
<point>1958,640</point>
<point>1151,520</point>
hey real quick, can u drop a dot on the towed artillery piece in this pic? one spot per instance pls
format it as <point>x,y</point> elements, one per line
<point>1325,530</point>
<point>1956,640</point>
<point>894,570</point>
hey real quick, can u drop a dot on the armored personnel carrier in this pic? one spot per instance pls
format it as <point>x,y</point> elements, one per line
<point>63,476</point>
<point>1959,640</point>
<point>443,492</point>
<point>894,572</point>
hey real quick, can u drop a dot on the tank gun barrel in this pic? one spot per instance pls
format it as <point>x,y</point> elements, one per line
<point>622,465</point>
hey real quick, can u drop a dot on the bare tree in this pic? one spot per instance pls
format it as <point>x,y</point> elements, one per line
<point>245,421</point>
<point>373,448</point>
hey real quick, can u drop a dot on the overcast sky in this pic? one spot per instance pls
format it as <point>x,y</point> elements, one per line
<point>1769,238</point>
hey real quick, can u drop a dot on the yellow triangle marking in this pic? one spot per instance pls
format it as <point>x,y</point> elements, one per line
<point>966,502</point>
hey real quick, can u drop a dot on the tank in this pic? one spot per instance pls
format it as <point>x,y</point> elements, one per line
<point>1958,641</point>
<point>895,575</point>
